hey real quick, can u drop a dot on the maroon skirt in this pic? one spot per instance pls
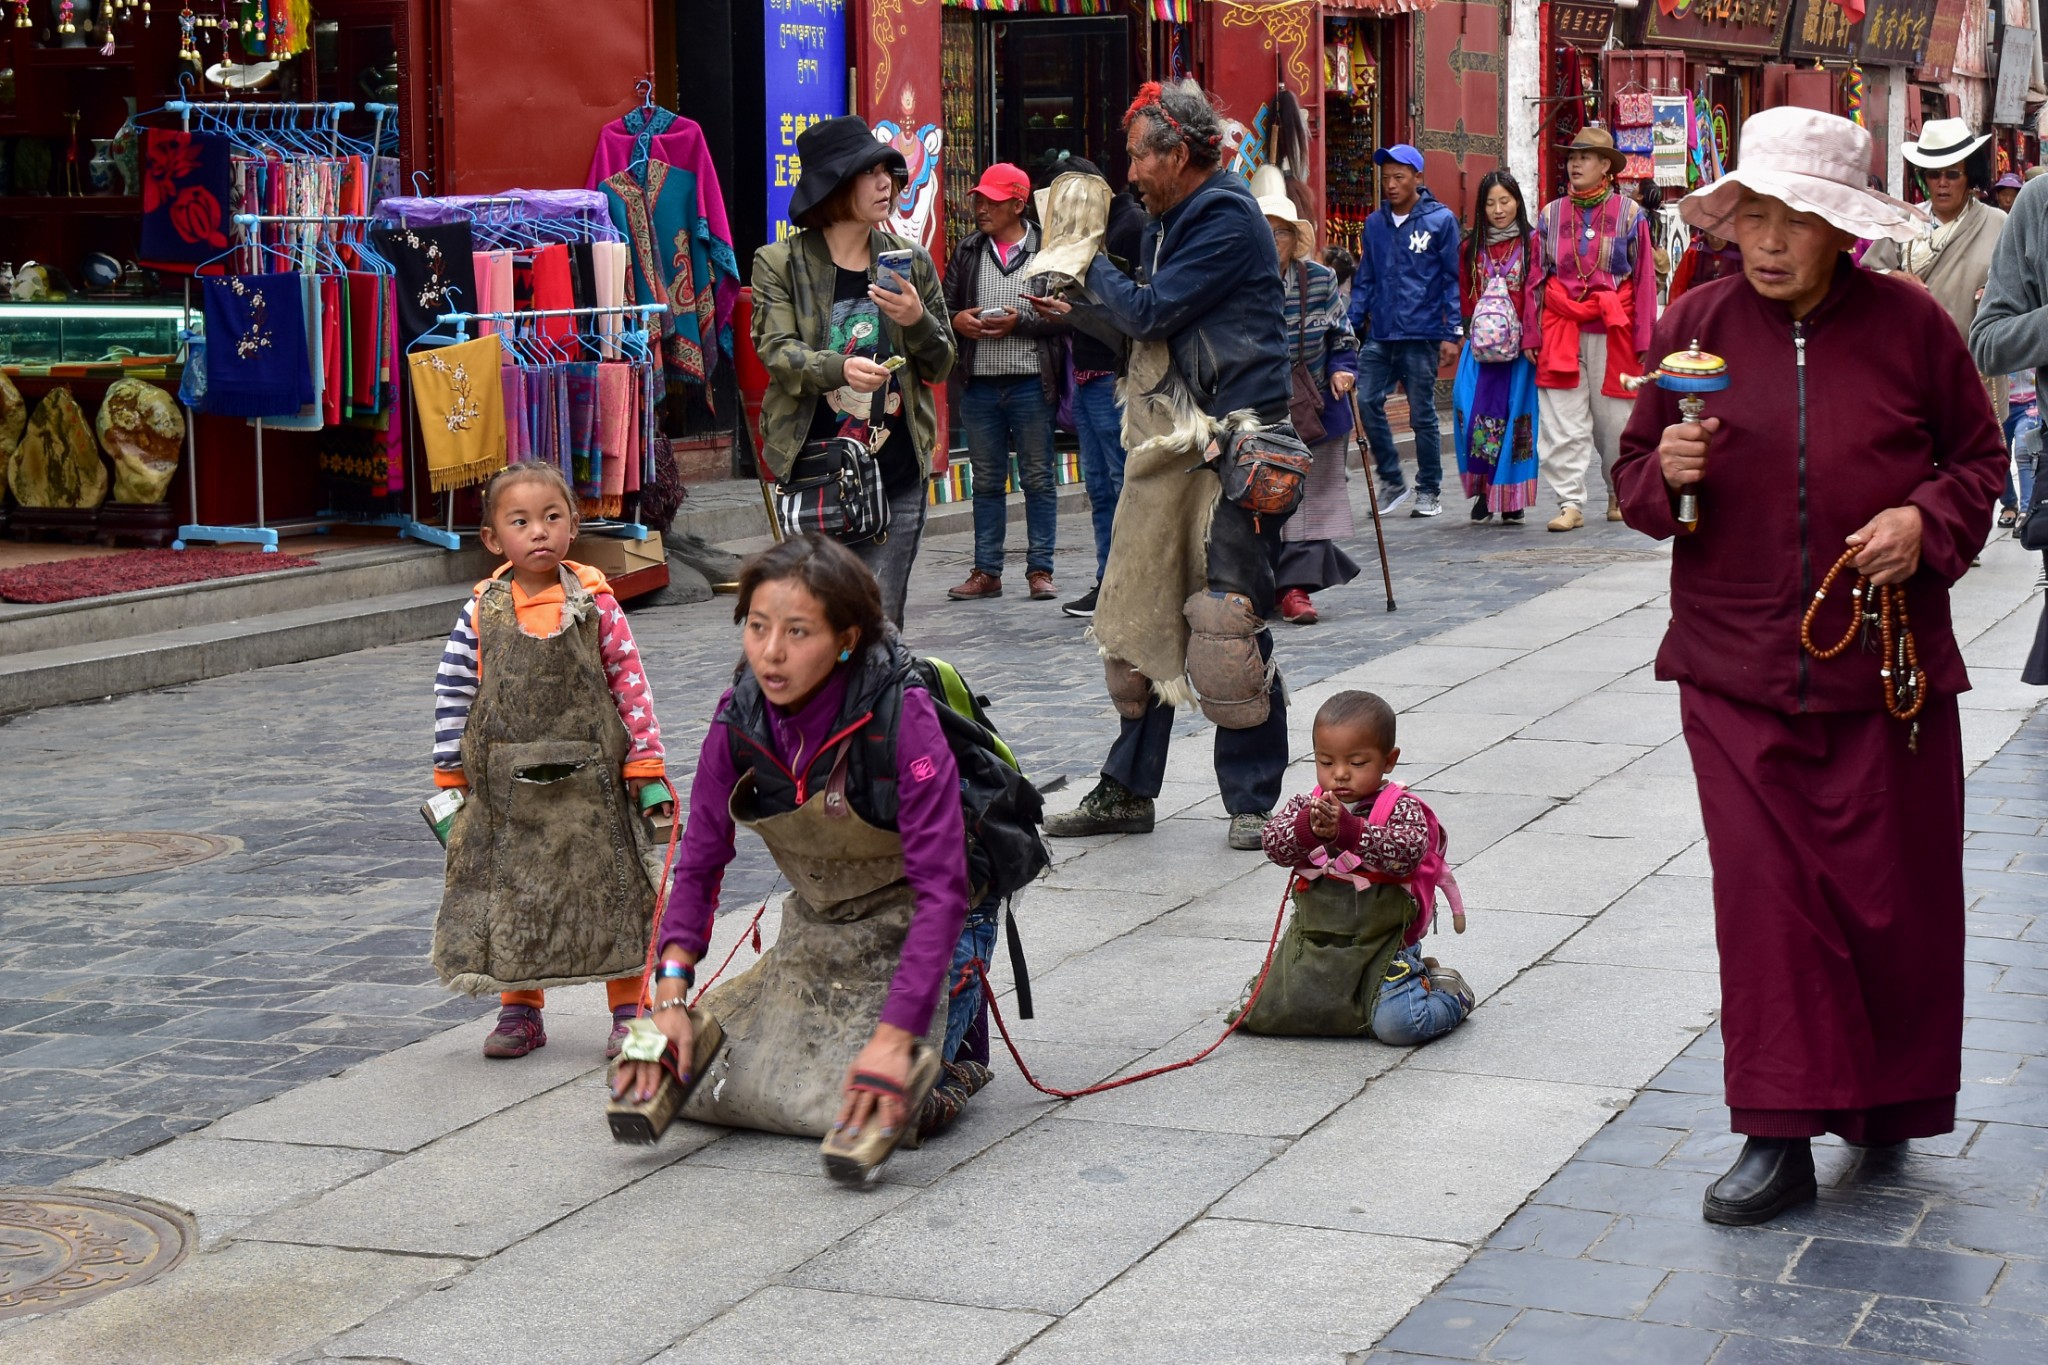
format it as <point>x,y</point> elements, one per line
<point>1837,852</point>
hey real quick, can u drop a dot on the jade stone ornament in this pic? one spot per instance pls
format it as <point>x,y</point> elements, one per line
<point>142,430</point>
<point>57,463</point>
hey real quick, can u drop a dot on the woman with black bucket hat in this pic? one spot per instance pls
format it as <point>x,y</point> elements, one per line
<point>853,348</point>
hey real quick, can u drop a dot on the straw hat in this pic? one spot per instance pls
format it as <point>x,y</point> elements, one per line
<point>1280,208</point>
<point>1814,163</point>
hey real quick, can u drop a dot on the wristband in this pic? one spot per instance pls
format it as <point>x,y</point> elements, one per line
<point>671,971</point>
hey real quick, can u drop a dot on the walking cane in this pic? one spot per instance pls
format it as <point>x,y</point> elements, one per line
<point>1372,491</point>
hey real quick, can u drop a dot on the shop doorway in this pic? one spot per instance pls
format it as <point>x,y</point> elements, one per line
<point>1024,90</point>
<point>1061,85</point>
<point>1365,98</point>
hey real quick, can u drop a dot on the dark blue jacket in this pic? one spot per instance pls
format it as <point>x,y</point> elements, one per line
<point>1209,286</point>
<point>1407,280</point>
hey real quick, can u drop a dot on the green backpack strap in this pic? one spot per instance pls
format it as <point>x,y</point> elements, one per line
<point>959,698</point>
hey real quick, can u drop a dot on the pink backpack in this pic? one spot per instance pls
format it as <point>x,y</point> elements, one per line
<point>1431,874</point>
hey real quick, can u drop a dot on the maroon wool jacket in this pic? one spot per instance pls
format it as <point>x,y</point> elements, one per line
<point>1887,410</point>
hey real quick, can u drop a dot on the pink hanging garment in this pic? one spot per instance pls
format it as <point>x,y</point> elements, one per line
<point>615,423</point>
<point>636,397</point>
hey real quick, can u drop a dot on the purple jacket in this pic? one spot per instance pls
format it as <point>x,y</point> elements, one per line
<point>928,817</point>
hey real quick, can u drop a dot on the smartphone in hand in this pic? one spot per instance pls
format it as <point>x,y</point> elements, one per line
<point>892,270</point>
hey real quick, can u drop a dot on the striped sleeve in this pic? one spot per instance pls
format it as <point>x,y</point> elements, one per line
<point>454,689</point>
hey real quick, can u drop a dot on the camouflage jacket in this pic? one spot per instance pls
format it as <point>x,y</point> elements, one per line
<point>793,283</point>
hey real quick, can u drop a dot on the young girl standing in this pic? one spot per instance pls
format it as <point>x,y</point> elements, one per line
<point>1493,397</point>
<point>543,716</point>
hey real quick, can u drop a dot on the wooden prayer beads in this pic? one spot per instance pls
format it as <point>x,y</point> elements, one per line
<point>1898,653</point>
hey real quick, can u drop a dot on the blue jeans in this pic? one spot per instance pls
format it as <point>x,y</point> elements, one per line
<point>1407,1013</point>
<point>1099,419</point>
<point>977,941</point>
<point>1002,415</point>
<point>2022,459</point>
<point>1412,365</point>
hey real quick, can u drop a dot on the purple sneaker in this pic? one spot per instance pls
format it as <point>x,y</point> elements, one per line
<point>518,1032</point>
<point>622,1018</point>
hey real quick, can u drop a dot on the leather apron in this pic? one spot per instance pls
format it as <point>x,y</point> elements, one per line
<point>551,869</point>
<point>809,1004</point>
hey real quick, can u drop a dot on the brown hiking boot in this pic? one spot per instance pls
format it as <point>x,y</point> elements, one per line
<point>978,584</point>
<point>1040,584</point>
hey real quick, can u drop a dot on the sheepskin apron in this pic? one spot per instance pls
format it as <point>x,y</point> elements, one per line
<point>1159,543</point>
<point>551,871</point>
<point>1331,961</point>
<point>796,1018</point>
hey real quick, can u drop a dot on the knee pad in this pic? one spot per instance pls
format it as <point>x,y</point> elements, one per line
<point>1224,665</point>
<point>1129,689</point>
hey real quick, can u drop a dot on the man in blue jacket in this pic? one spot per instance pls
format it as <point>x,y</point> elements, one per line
<point>1404,309</point>
<point>1208,289</point>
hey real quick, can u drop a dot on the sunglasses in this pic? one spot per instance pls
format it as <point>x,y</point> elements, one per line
<point>1945,173</point>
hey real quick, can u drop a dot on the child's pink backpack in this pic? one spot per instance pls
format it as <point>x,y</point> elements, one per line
<point>1431,874</point>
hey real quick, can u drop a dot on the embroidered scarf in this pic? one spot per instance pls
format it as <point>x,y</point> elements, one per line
<point>436,273</point>
<point>256,360</point>
<point>455,389</point>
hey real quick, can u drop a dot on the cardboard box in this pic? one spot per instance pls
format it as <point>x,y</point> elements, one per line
<point>612,556</point>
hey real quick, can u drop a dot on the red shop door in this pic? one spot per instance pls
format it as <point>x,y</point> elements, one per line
<point>1458,70</point>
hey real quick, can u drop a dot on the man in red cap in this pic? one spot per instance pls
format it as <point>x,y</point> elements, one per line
<point>1009,366</point>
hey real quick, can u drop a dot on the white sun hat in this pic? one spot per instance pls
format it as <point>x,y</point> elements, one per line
<point>1814,163</point>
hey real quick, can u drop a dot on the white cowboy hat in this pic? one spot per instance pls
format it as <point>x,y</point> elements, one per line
<point>1813,162</point>
<point>1281,208</point>
<point>1943,142</point>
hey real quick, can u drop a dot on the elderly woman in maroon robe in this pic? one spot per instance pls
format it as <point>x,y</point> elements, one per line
<point>1853,421</point>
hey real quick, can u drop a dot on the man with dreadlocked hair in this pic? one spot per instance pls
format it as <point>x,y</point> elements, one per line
<point>1182,612</point>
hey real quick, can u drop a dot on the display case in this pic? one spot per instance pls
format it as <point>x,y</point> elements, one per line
<point>37,336</point>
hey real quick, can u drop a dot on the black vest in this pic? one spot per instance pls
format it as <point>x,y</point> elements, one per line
<point>870,713</point>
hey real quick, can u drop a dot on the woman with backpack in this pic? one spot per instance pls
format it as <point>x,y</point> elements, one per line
<point>1324,357</point>
<point>1493,397</point>
<point>848,1027</point>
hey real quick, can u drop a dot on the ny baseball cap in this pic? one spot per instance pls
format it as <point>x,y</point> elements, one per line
<point>1004,181</point>
<point>1400,152</point>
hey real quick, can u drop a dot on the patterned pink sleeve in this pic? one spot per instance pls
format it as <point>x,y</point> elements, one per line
<point>1284,842</point>
<point>629,689</point>
<point>1396,848</point>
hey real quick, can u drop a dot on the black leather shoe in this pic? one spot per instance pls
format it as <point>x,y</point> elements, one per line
<point>1770,1176</point>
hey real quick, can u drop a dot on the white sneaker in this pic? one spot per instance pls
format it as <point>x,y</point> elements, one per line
<point>1392,497</point>
<point>1427,505</point>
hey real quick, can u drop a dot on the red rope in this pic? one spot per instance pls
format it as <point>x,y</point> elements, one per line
<point>753,930</point>
<point>668,863</point>
<point>988,994</point>
<point>755,926</point>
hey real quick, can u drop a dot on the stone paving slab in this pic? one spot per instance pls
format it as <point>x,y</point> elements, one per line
<point>244,1304</point>
<point>781,1323</point>
<point>1304,1295</point>
<point>1100,1196</point>
<point>749,1227</point>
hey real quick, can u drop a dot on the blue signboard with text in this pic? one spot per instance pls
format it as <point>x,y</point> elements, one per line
<point>805,48</point>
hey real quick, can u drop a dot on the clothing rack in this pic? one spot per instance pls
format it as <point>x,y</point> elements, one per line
<point>263,534</point>
<point>621,530</point>
<point>461,321</point>
<point>259,120</point>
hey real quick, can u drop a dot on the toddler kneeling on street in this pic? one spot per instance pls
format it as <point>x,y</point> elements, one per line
<point>1368,860</point>
<point>543,717</point>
